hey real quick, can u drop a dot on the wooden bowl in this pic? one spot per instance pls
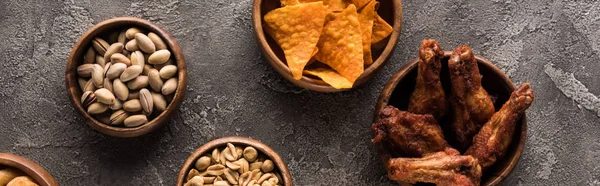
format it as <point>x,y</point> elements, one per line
<point>221,142</point>
<point>33,170</point>
<point>390,11</point>
<point>76,58</point>
<point>399,88</point>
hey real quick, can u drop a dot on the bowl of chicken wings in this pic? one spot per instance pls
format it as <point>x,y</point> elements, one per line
<point>451,118</point>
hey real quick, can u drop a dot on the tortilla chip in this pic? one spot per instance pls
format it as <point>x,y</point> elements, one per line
<point>340,45</point>
<point>297,30</point>
<point>330,77</point>
<point>381,29</point>
<point>361,3</point>
<point>337,5</point>
<point>295,2</point>
<point>366,17</point>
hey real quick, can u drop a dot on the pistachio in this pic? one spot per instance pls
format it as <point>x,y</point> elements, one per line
<point>145,43</point>
<point>103,95</point>
<point>233,151</point>
<point>114,48</point>
<point>131,45</point>
<point>221,183</point>
<point>120,58</point>
<point>202,163</point>
<point>100,60</point>
<point>118,104</point>
<point>229,175</point>
<point>154,80</point>
<point>135,120</point>
<point>146,100</point>
<point>160,104</point>
<point>133,94</point>
<point>100,46</point>
<point>232,165</point>
<point>89,86</point>
<point>131,73</point>
<point>105,68</point>
<point>168,71</point>
<point>137,58</point>
<point>126,53</point>
<point>215,156</point>
<point>130,33</point>
<point>158,42</point>
<point>215,170</point>
<point>108,85</point>
<point>120,90</point>
<point>132,105</point>
<point>195,181</point>
<point>264,177</point>
<point>98,76</point>
<point>104,117</point>
<point>82,83</point>
<point>250,154</point>
<point>267,166</point>
<point>138,83</point>
<point>169,86</point>
<point>255,165</point>
<point>90,56</point>
<point>115,70</point>
<point>88,98</point>
<point>192,173</point>
<point>118,117</point>
<point>97,108</point>
<point>160,66</point>
<point>122,37</point>
<point>147,69</point>
<point>85,70</point>
<point>159,57</point>
<point>208,179</point>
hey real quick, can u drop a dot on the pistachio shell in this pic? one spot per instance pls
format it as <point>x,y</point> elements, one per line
<point>168,71</point>
<point>130,33</point>
<point>85,70</point>
<point>97,108</point>
<point>108,85</point>
<point>122,38</point>
<point>146,100</point>
<point>105,68</point>
<point>103,118</point>
<point>103,95</point>
<point>118,117</point>
<point>89,86</point>
<point>82,83</point>
<point>98,76</point>
<point>133,105</point>
<point>100,46</point>
<point>121,91</point>
<point>138,83</point>
<point>113,49</point>
<point>159,57</point>
<point>115,70</point>
<point>132,45</point>
<point>137,58</point>
<point>135,120</point>
<point>147,69</point>
<point>158,42</point>
<point>100,60</point>
<point>145,43</point>
<point>131,73</point>
<point>120,58</point>
<point>133,94</point>
<point>169,86</point>
<point>87,98</point>
<point>117,104</point>
<point>90,56</point>
<point>154,80</point>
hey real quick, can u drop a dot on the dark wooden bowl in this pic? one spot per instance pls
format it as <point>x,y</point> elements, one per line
<point>390,11</point>
<point>221,142</point>
<point>398,89</point>
<point>33,170</point>
<point>76,58</point>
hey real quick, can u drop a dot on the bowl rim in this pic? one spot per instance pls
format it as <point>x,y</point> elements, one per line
<point>390,86</point>
<point>259,146</point>
<point>32,169</point>
<point>160,120</point>
<point>315,84</point>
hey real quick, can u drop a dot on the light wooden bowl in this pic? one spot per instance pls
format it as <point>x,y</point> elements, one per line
<point>222,142</point>
<point>76,59</point>
<point>390,11</point>
<point>33,170</point>
<point>399,88</point>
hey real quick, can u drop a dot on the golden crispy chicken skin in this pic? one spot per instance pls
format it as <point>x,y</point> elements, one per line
<point>494,137</point>
<point>472,106</point>
<point>411,134</point>
<point>442,168</point>
<point>429,96</point>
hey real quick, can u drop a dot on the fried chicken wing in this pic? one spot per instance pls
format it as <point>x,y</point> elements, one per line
<point>428,96</point>
<point>442,168</point>
<point>494,137</point>
<point>410,134</point>
<point>472,106</point>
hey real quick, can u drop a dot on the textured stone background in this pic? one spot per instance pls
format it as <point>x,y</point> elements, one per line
<point>324,138</point>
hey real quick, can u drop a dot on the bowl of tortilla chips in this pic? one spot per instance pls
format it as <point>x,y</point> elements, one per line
<point>327,45</point>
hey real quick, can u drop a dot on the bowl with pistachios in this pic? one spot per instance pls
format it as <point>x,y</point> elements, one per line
<point>232,161</point>
<point>126,76</point>
<point>19,171</point>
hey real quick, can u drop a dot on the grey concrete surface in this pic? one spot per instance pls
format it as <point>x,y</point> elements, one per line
<point>324,138</point>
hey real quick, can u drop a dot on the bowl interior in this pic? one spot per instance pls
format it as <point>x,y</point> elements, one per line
<point>222,142</point>
<point>101,30</point>
<point>33,170</point>
<point>494,81</point>
<point>390,11</point>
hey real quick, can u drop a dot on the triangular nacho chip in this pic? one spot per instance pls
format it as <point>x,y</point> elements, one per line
<point>361,3</point>
<point>366,17</point>
<point>297,30</point>
<point>330,77</point>
<point>337,5</point>
<point>340,45</point>
<point>295,2</point>
<point>381,29</point>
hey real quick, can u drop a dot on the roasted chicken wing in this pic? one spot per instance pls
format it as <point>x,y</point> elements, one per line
<point>442,168</point>
<point>494,137</point>
<point>408,134</point>
<point>472,106</point>
<point>429,96</point>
